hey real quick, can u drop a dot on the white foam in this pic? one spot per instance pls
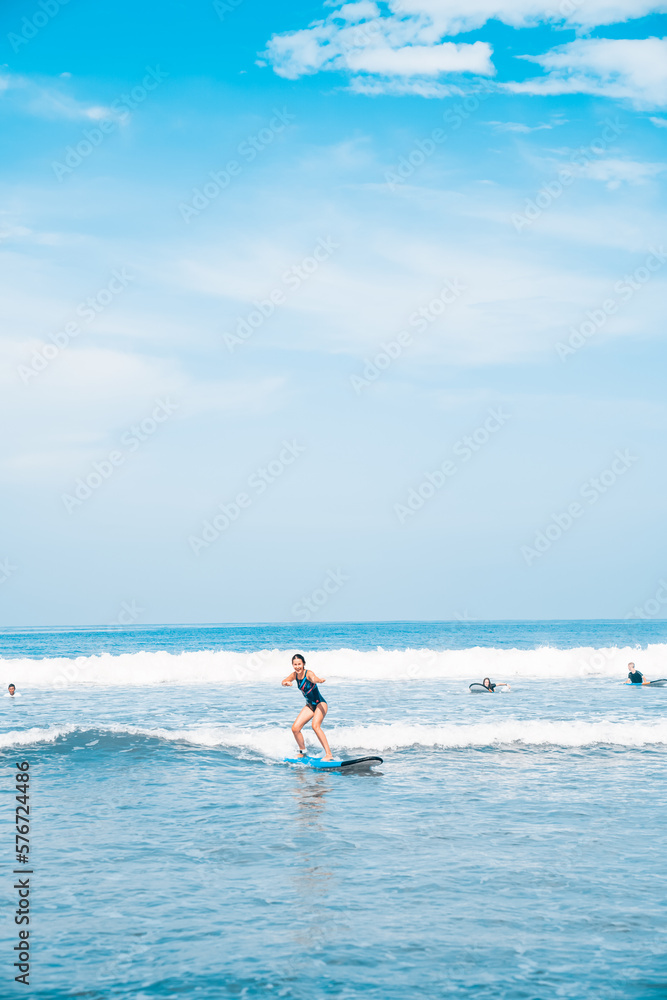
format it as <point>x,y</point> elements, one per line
<point>28,737</point>
<point>274,742</point>
<point>505,732</point>
<point>270,666</point>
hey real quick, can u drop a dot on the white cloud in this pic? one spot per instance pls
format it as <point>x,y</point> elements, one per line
<point>49,100</point>
<point>336,49</point>
<point>631,69</point>
<point>454,16</point>
<point>659,122</point>
<point>408,41</point>
<point>356,38</point>
<point>104,391</point>
<point>515,304</point>
<point>613,172</point>
<point>401,88</point>
<point>521,128</point>
<point>8,231</point>
<point>423,60</point>
<point>355,12</point>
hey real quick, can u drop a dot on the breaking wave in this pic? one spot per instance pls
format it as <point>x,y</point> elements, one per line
<point>272,742</point>
<point>267,666</point>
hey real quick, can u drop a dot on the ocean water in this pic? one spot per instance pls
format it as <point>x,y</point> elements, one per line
<point>510,846</point>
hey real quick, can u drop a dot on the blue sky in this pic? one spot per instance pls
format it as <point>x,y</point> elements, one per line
<point>216,218</point>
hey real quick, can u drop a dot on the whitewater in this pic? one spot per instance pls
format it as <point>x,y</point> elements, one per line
<point>346,653</point>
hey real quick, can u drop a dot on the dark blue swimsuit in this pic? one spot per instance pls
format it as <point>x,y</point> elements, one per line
<point>310,691</point>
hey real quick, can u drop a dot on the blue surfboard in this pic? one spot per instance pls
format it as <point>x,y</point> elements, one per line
<point>353,764</point>
<point>660,682</point>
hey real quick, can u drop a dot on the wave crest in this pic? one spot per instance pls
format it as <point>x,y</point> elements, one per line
<point>273,742</point>
<point>223,667</point>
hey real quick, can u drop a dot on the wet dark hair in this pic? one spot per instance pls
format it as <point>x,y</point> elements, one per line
<point>485,680</point>
<point>299,656</point>
<point>11,686</point>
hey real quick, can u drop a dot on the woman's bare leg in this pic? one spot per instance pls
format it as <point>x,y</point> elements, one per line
<point>302,718</point>
<point>318,719</point>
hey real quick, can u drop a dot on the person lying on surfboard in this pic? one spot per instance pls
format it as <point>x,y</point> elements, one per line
<point>635,676</point>
<point>490,687</point>
<point>315,707</point>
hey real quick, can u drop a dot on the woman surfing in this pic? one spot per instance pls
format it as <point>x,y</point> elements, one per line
<point>315,707</point>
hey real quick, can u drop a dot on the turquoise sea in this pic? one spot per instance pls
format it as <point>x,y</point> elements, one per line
<point>510,847</point>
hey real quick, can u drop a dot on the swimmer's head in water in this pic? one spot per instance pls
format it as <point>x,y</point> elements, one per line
<point>11,689</point>
<point>487,682</point>
<point>298,656</point>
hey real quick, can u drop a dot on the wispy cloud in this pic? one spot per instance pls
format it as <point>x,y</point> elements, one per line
<point>403,88</point>
<point>50,99</point>
<point>423,60</point>
<point>614,172</point>
<point>522,128</point>
<point>627,69</point>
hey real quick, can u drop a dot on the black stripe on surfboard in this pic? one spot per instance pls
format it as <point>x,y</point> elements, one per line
<point>360,760</point>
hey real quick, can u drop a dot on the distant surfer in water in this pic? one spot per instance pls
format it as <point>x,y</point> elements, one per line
<point>315,707</point>
<point>491,687</point>
<point>11,692</point>
<point>635,676</point>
